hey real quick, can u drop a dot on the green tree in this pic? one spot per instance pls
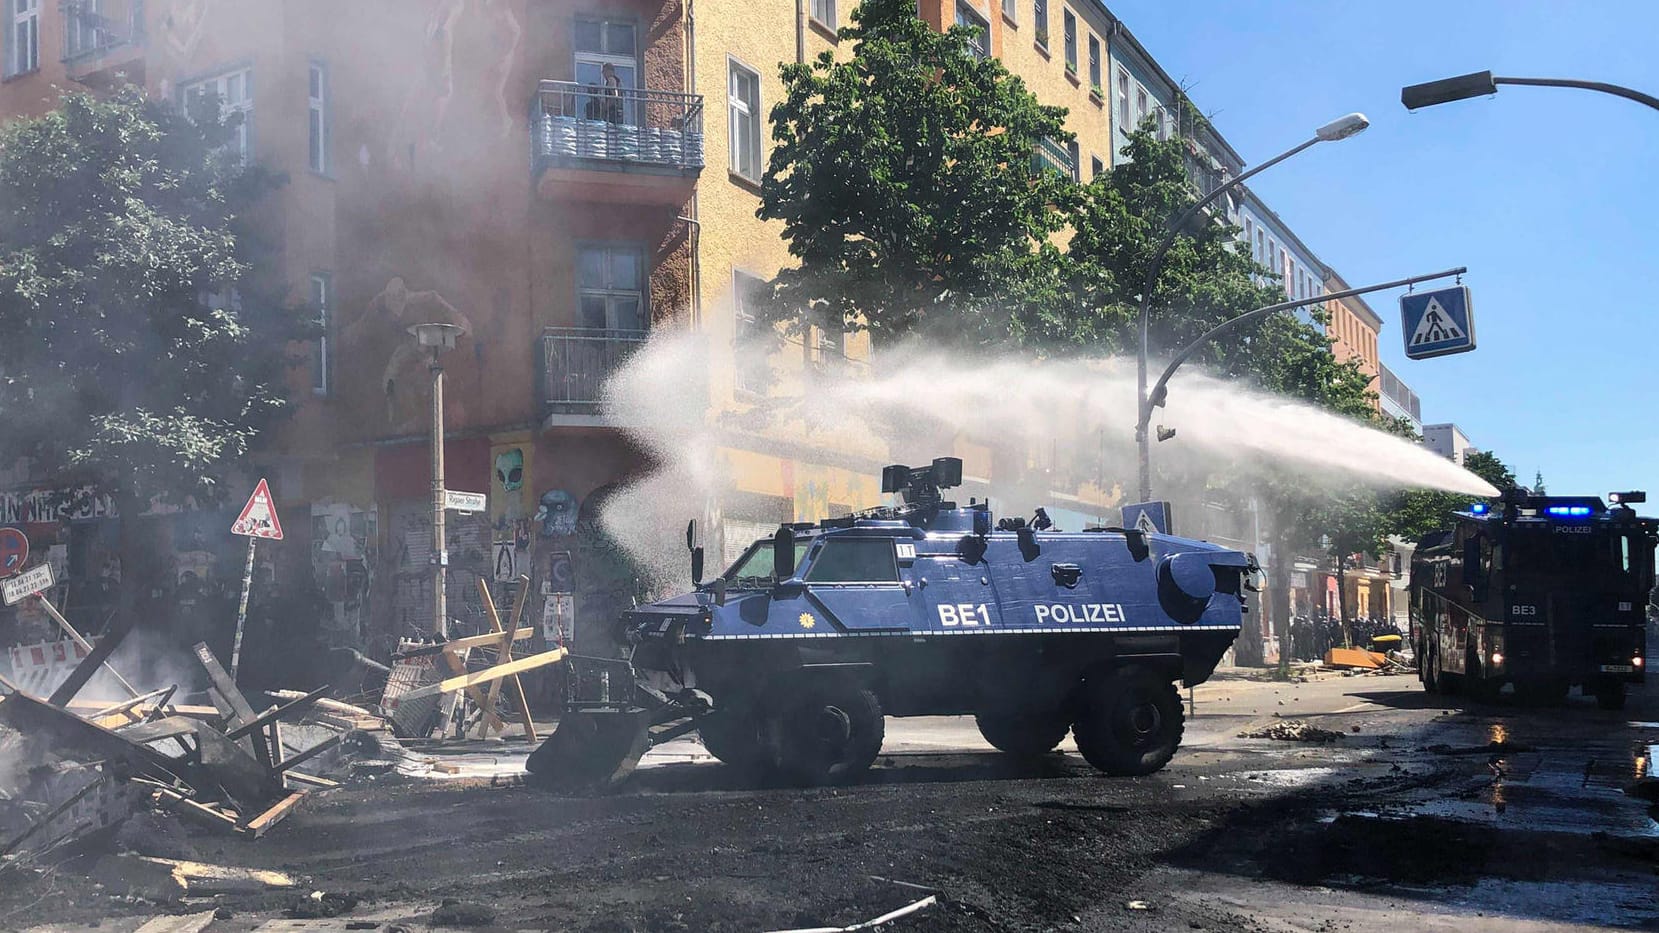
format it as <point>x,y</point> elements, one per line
<point>905,182</point>
<point>142,356</point>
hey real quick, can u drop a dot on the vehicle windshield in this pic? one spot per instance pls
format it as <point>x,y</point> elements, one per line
<point>1611,559</point>
<point>754,568</point>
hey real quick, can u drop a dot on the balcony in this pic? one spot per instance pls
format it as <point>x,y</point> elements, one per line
<point>575,362</point>
<point>103,39</point>
<point>628,144</point>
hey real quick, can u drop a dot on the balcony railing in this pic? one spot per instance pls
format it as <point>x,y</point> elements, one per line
<point>617,127</point>
<point>92,28</point>
<point>576,361</point>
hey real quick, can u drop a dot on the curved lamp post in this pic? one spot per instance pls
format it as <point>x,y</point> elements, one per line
<point>1340,128</point>
<point>1484,83</point>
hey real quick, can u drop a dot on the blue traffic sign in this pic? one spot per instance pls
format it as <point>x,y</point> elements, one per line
<point>14,551</point>
<point>1437,323</point>
<point>1150,517</point>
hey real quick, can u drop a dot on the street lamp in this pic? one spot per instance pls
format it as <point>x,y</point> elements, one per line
<point>1484,83</point>
<point>437,338</point>
<point>1338,129</point>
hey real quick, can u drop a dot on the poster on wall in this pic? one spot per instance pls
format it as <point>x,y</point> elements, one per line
<point>344,547</point>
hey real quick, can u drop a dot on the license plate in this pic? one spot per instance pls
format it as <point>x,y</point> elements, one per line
<point>1616,669</point>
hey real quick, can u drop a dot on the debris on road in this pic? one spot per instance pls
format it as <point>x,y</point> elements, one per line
<point>872,924</point>
<point>169,880</point>
<point>1293,730</point>
<point>454,913</point>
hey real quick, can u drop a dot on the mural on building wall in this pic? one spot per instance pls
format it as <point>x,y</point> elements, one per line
<point>483,37</point>
<point>345,543</point>
<point>402,399</point>
<point>556,514</point>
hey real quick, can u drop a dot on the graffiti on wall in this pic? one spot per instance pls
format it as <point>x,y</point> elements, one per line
<point>380,332</point>
<point>556,514</point>
<point>345,543</point>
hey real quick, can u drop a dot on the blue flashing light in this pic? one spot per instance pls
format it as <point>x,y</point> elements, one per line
<point>1568,511</point>
<point>1479,508</point>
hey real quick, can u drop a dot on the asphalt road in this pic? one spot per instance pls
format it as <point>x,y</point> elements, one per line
<point>1427,813</point>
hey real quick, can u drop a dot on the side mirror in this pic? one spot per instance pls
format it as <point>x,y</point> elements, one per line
<point>696,566</point>
<point>719,591</point>
<point>783,553</point>
<point>690,534</point>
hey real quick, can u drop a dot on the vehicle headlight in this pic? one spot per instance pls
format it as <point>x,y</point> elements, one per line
<point>1497,657</point>
<point>1636,661</point>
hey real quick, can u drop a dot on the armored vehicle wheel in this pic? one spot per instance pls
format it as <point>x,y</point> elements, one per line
<point>1610,695</point>
<point>825,734</point>
<point>1428,669</point>
<point>1131,721</point>
<point>734,737</point>
<point>1025,735</point>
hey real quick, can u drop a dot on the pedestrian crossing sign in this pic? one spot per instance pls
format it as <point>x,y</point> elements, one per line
<point>1437,323</point>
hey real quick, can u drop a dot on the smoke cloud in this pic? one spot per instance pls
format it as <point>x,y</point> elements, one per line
<point>909,403</point>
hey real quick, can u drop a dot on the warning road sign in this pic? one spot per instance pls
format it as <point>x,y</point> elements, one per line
<point>1147,517</point>
<point>14,551</point>
<point>1437,323</point>
<point>259,517</point>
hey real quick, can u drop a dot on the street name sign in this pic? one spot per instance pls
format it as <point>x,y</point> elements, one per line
<point>34,580</point>
<point>1438,322</point>
<point>1148,517</point>
<point>14,551</point>
<point>455,501</point>
<point>259,517</point>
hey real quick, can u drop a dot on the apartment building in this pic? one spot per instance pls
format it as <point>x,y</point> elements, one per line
<point>559,178</point>
<point>1398,400</point>
<point>1353,329</point>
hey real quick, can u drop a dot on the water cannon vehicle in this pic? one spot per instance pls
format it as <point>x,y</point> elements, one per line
<point>1538,593</point>
<point>787,663</point>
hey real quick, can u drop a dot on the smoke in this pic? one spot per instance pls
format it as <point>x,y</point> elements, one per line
<point>911,404</point>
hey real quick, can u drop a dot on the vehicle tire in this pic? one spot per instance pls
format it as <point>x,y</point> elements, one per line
<point>1023,735</point>
<point>1131,721</point>
<point>1610,695</point>
<point>828,733</point>
<point>1431,668</point>
<point>734,737</point>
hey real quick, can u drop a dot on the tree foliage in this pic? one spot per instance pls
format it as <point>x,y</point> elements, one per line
<point>906,186</point>
<point>141,354</point>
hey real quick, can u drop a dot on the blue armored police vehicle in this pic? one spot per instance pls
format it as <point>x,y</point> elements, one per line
<point>787,663</point>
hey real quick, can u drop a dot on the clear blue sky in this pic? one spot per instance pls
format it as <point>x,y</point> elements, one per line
<point>1548,196</point>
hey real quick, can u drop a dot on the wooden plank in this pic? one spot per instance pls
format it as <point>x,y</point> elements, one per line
<point>223,683</point>
<point>310,780</point>
<point>274,713</point>
<point>518,685</point>
<point>125,707</point>
<point>68,732</point>
<point>310,753</point>
<point>260,824</point>
<point>459,668</point>
<point>471,641</point>
<point>147,732</point>
<point>503,653</point>
<point>497,672</point>
<point>95,659</point>
<point>202,813</point>
<point>178,923</point>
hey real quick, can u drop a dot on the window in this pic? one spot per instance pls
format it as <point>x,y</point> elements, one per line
<point>318,115</point>
<point>1261,250</point>
<point>827,349</point>
<point>234,91</point>
<point>611,286</point>
<point>1095,168</point>
<point>320,287</point>
<point>1250,237</point>
<point>1039,16</point>
<point>1076,160</point>
<point>1124,126</point>
<point>1051,157</point>
<point>855,560</point>
<point>1160,124</point>
<point>83,27</point>
<point>743,104</point>
<point>1094,62</point>
<point>1142,110</point>
<point>747,292</point>
<point>23,39</point>
<point>824,12</point>
<point>968,16</point>
<point>1071,40</point>
<point>602,42</point>
<point>1011,9</point>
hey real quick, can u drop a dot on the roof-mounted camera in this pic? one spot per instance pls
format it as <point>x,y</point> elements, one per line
<point>920,486</point>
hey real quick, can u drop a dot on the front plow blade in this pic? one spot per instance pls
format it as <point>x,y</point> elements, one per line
<point>590,751</point>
